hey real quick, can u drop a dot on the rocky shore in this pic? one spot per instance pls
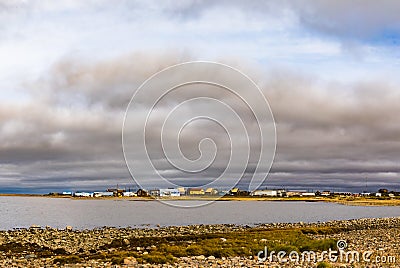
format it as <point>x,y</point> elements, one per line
<point>125,247</point>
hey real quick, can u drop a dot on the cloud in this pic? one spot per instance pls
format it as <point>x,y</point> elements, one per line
<point>359,19</point>
<point>70,130</point>
<point>69,69</point>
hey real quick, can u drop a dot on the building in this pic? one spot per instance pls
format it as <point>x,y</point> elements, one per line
<point>129,194</point>
<point>293,193</point>
<point>383,191</point>
<point>325,193</point>
<point>195,191</point>
<point>395,193</point>
<point>66,193</point>
<point>234,191</point>
<point>103,194</point>
<point>170,192</point>
<point>83,194</point>
<point>112,190</point>
<point>281,192</point>
<point>182,191</point>
<point>211,191</point>
<point>238,192</point>
<point>154,192</point>
<point>307,194</point>
<point>299,193</point>
<point>117,192</point>
<point>264,193</point>
<point>142,192</point>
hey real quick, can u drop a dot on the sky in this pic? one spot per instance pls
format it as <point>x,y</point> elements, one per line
<point>329,70</point>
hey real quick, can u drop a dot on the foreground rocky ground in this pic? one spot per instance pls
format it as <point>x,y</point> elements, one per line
<point>194,246</point>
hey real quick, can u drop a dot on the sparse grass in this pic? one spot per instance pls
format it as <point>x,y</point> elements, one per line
<point>323,265</point>
<point>161,250</point>
<point>117,260</point>
<point>158,258</point>
<point>244,243</point>
<point>321,230</point>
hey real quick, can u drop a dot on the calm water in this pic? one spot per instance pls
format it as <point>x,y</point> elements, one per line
<point>25,211</point>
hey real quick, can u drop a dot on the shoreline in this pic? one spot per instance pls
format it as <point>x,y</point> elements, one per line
<point>226,245</point>
<point>351,201</point>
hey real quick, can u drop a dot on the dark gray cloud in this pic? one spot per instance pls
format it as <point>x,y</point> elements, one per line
<point>68,135</point>
<point>360,19</point>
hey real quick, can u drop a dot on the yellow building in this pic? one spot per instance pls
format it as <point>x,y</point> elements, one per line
<point>211,191</point>
<point>195,191</point>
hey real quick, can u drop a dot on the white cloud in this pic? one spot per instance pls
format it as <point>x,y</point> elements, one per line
<point>68,69</point>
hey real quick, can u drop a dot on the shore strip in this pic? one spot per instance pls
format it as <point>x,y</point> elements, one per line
<point>223,245</point>
<point>345,200</point>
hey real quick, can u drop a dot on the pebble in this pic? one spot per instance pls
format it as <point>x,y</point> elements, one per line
<point>381,235</point>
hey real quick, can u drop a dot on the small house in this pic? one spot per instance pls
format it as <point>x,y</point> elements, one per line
<point>293,194</point>
<point>182,191</point>
<point>103,194</point>
<point>83,194</point>
<point>129,194</point>
<point>307,194</point>
<point>170,192</point>
<point>154,193</point>
<point>325,193</point>
<point>234,191</point>
<point>142,192</point>
<point>264,193</point>
<point>211,191</point>
<point>195,191</point>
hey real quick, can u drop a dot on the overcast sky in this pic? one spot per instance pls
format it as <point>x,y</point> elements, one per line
<point>329,69</point>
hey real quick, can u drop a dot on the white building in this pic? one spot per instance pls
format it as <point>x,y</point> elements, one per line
<point>169,192</point>
<point>308,194</point>
<point>326,193</point>
<point>103,194</point>
<point>129,194</point>
<point>264,193</point>
<point>83,194</point>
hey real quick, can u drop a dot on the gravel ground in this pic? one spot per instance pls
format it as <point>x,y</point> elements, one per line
<point>38,247</point>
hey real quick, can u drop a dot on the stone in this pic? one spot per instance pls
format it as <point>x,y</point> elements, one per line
<point>30,256</point>
<point>130,261</point>
<point>379,235</point>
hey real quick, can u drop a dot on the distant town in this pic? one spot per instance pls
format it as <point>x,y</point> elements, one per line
<point>200,192</point>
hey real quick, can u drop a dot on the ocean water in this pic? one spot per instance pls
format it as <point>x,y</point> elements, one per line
<point>87,213</point>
